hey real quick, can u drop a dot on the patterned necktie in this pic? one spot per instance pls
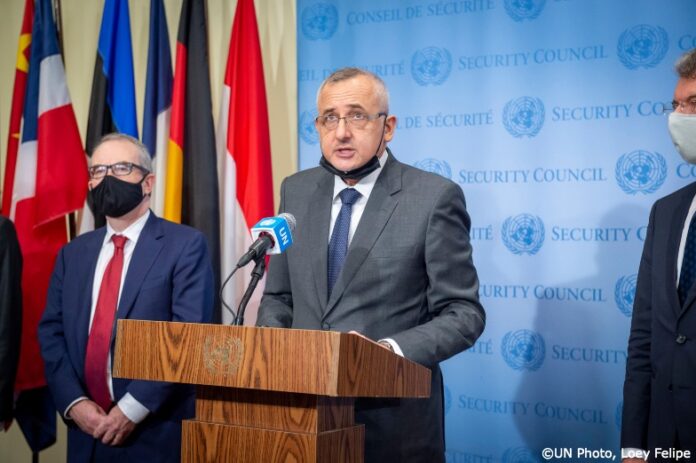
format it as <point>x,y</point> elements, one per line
<point>338,245</point>
<point>99,341</point>
<point>688,268</point>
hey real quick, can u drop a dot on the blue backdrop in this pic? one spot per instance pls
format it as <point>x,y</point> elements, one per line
<point>548,113</point>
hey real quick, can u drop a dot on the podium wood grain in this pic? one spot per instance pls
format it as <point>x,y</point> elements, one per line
<point>267,394</point>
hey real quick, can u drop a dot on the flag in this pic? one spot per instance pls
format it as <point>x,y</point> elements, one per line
<point>191,191</point>
<point>158,100</point>
<point>112,103</point>
<point>20,85</point>
<point>50,181</point>
<point>244,143</point>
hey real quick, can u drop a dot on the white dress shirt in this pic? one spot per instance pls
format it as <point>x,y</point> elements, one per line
<point>364,186</point>
<point>134,410</point>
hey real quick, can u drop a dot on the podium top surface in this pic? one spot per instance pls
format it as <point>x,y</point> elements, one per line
<point>325,363</point>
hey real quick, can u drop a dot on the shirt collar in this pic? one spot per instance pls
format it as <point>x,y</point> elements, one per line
<point>365,184</point>
<point>132,232</point>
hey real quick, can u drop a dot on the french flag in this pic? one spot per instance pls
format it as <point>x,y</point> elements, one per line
<point>158,100</point>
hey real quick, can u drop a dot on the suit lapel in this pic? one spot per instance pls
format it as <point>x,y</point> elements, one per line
<point>146,251</point>
<point>318,234</point>
<point>88,265</point>
<point>378,210</point>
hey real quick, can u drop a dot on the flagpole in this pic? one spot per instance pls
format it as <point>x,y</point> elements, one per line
<point>71,223</point>
<point>57,13</point>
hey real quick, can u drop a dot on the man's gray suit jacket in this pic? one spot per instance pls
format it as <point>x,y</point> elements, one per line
<point>408,276</point>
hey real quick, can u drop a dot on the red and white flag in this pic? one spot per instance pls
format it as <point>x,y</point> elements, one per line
<point>244,143</point>
<point>49,180</point>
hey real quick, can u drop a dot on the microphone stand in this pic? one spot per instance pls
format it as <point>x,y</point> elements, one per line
<point>256,275</point>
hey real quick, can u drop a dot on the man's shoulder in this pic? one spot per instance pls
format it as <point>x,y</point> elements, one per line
<point>425,182</point>
<point>6,226</point>
<point>177,230</point>
<point>675,198</point>
<point>85,239</point>
<point>304,176</point>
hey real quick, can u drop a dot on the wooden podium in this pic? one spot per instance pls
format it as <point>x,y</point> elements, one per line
<point>267,394</point>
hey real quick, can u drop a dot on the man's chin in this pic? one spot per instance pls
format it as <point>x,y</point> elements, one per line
<point>344,164</point>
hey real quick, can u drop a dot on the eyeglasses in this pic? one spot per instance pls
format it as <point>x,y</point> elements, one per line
<point>356,120</point>
<point>119,169</point>
<point>687,107</point>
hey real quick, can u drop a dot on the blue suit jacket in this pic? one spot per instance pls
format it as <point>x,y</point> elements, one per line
<point>169,278</point>
<point>660,384</point>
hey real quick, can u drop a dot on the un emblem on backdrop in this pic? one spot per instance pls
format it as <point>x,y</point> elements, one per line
<point>523,350</point>
<point>319,21</point>
<point>519,10</point>
<point>308,132</point>
<point>435,166</point>
<point>625,293</point>
<point>519,455</point>
<point>523,234</point>
<point>642,46</point>
<point>641,171</point>
<point>524,116</point>
<point>431,65</point>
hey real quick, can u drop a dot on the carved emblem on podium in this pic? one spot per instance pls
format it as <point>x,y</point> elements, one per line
<point>222,356</point>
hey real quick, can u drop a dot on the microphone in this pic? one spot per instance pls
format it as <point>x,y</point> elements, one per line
<point>272,235</point>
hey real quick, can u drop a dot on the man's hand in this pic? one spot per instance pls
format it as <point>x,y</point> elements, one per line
<point>87,415</point>
<point>115,428</point>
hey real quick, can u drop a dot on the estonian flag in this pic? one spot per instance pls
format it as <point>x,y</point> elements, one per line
<point>112,104</point>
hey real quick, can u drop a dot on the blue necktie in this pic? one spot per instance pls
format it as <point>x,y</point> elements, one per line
<point>338,245</point>
<point>688,268</point>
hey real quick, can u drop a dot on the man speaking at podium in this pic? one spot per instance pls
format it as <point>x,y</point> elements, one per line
<point>381,248</point>
<point>139,267</point>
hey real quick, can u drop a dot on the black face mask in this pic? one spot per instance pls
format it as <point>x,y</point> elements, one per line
<point>114,197</point>
<point>355,174</point>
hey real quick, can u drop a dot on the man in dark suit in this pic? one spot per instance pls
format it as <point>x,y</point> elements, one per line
<point>380,248</point>
<point>659,408</point>
<point>10,316</point>
<point>139,267</point>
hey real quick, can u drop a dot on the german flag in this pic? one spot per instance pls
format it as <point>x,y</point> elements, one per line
<point>191,192</point>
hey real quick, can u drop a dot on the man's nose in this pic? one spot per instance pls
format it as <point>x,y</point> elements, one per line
<point>343,129</point>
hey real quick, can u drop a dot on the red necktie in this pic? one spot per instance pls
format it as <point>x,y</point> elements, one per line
<point>99,342</point>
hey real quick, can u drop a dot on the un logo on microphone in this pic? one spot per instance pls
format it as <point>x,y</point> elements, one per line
<point>521,10</point>
<point>625,293</point>
<point>524,116</point>
<point>523,234</point>
<point>308,132</point>
<point>435,166</point>
<point>523,350</point>
<point>519,455</point>
<point>642,46</point>
<point>431,66</point>
<point>319,21</point>
<point>640,171</point>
